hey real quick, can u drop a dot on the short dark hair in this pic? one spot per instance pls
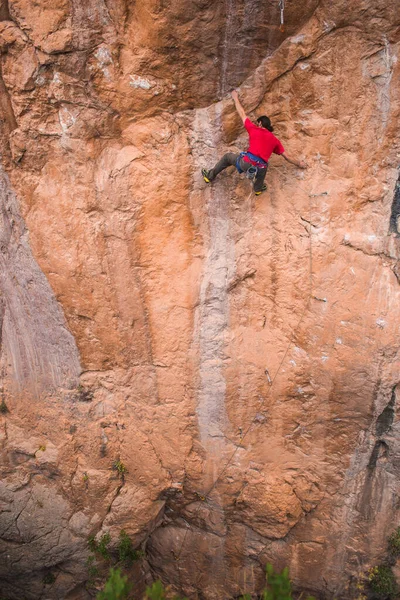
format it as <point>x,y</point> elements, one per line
<point>265,122</point>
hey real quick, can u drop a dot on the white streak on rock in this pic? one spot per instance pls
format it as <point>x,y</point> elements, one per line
<point>139,82</point>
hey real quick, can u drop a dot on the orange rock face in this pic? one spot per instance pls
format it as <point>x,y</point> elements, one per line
<point>212,372</point>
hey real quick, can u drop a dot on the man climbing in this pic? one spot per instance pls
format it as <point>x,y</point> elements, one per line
<point>262,143</point>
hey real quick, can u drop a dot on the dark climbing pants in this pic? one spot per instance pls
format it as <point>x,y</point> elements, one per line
<point>229,160</point>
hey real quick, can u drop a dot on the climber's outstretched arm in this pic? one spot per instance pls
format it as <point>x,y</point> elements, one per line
<point>238,106</point>
<point>297,163</point>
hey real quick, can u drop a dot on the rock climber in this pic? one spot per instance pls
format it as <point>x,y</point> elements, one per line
<point>254,162</point>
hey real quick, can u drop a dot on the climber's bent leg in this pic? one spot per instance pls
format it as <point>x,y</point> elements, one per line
<point>228,160</point>
<point>259,180</point>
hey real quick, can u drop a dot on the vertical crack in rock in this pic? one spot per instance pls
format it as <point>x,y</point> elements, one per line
<point>395,213</point>
<point>230,22</point>
<point>7,116</point>
<point>251,30</point>
<point>37,351</point>
<point>242,19</point>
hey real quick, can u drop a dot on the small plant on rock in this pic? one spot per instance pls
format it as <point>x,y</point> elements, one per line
<point>121,469</point>
<point>100,547</point>
<point>83,394</point>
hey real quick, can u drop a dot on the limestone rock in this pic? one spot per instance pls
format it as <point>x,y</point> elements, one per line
<point>212,372</point>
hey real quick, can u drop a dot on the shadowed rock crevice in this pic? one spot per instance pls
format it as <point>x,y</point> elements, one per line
<point>385,419</point>
<point>4,11</point>
<point>372,493</point>
<point>395,212</point>
<point>380,451</point>
<point>7,116</point>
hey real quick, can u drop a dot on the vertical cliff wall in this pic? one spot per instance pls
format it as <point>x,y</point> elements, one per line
<point>238,355</point>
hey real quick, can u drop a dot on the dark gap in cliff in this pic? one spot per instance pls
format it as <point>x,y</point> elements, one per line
<point>4,11</point>
<point>381,450</point>
<point>396,270</point>
<point>385,419</point>
<point>366,506</point>
<point>395,214</point>
<point>6,109</point>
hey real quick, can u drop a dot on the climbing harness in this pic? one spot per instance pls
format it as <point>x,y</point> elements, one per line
<point>282,8</point>
<point>252,171</point>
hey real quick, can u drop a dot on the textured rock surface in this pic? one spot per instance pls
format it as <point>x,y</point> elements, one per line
<point>178,305</point>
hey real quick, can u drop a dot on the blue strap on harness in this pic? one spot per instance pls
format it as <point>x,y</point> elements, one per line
<point>260,163</point>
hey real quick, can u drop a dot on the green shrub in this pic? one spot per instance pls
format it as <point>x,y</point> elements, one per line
<point>382,582</point>
<point>93,570</point>
<point>102,546</point>
<point>394,543</point>
<point>279,586</point>
<point>92,543</point>
<point>126,551</point>
<point>3,407</point>
<point>49,578</point>
<point>116,587</point>
<point>157,592</point>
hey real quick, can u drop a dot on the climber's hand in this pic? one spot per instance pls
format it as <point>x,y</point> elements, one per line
<point>300,164</point>
<point>235,95</point>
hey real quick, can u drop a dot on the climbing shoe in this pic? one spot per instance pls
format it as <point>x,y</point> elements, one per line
<point>264,187</point>
<point>204,172</point>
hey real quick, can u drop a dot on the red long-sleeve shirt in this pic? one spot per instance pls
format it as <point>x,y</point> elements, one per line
<point>262,142</point>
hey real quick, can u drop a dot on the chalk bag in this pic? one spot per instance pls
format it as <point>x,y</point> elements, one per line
<point>251,173</point>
